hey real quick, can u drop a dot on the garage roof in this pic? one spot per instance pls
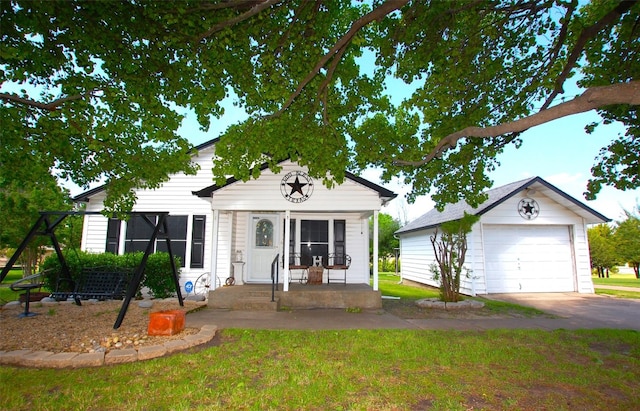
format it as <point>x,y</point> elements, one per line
<point>496,197</point>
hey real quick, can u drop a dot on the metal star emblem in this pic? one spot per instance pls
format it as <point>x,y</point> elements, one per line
<point>296,186</point>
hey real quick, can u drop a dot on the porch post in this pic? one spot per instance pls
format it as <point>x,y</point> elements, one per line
<point>287,239</point>
<point>214,248</point>
<point>375,250</point>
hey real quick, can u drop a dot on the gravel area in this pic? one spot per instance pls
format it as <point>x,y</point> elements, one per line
<point>66,327</point>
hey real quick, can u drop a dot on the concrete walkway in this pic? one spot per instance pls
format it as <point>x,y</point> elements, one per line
<point>571,311</point>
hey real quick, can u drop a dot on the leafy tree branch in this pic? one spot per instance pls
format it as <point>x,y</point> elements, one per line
<point>313,78</point>
<point>593,98</point>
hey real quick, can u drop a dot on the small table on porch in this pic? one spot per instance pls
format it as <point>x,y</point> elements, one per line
<point>315,275</point>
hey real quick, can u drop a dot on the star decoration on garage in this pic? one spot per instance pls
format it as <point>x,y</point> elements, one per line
<point>528,208</point>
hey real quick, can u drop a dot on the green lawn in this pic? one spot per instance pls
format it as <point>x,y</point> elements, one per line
<point>622,280</point>
<point>619,280</point>
<point>355,370</point>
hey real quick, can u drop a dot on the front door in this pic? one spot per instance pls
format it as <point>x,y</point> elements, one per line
<point>263,247</point>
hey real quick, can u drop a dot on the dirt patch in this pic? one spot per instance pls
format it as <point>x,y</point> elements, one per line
<point>66,327</point>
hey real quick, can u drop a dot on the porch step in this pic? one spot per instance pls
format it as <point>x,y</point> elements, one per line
<point>256,303</point>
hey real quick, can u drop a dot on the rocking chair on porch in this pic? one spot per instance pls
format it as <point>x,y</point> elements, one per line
<point>300,265</point>
<point>337,262</point>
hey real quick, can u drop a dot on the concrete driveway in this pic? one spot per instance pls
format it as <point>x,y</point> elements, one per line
<point>581,310</point>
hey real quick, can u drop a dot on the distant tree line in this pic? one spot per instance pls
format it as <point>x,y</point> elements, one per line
<point>611,246</point>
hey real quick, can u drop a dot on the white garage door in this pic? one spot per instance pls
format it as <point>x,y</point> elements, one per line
<point>528,259</point>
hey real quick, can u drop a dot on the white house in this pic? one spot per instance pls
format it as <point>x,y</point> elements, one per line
<point>531,237</point>
<point>212,227</point>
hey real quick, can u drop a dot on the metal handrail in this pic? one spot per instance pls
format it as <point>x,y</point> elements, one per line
<point>274,277</point>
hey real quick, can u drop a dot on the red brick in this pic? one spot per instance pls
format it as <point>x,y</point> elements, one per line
<point>168,322</point>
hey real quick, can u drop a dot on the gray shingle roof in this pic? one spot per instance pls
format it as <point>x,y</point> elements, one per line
<point>498,195</point>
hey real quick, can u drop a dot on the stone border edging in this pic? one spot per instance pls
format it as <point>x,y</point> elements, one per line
<point>48,359</point>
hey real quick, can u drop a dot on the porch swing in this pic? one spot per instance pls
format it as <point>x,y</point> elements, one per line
<point>50,220</point>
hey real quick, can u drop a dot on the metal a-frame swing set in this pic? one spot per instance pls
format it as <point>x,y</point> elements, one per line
<point>50,220</point>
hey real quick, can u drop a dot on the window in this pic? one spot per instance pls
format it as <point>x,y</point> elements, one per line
<point>177,226</point>
<point>138,234</point>
<point>264,233</point>
<point>314,239</point>
<point>139,231</point>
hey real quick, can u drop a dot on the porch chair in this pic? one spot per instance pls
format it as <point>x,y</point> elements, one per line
<point>299,264</point>
<point>337,262</point>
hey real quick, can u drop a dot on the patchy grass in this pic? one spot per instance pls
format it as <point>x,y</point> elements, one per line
<point>409,292</point>
<point>356,370</point>
<point>505,308</point>
<point>618,293</point>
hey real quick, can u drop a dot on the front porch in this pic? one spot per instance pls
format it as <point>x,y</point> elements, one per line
<point>257,297</point>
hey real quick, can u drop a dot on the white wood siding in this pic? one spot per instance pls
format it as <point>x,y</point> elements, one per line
<point>416,252</point>
<point>94,233</point>
<point>551,214</point>
<point>264,195</point>
<point>582,258</point>
<point>223,266</point>
<point>416,257</point>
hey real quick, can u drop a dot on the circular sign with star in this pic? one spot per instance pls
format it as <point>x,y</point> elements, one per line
<point>296,186</point>
<point>528,208</point>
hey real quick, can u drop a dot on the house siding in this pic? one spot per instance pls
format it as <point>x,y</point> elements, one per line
<point>241,196</point>
<point>417,254</point>
<point>175,196</point>
<point>416,257</point>
<point>229,209</point>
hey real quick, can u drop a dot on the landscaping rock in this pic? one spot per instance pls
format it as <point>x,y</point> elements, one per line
<point>145,304</point>
<point>441,305</point>
<point>12,305</point>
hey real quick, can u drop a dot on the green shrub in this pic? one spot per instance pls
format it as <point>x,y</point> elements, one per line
<point>157,275</point>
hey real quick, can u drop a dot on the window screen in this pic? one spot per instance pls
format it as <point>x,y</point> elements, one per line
<point>314,238</point>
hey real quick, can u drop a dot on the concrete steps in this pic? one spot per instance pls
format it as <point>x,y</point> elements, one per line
<point>256,304</point>
<point>258,297</point>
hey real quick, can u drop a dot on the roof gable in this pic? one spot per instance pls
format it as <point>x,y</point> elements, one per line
<point>499,195</point>
<point>384,193</point>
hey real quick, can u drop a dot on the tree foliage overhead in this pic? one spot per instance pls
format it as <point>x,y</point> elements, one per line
<point>96,91</point>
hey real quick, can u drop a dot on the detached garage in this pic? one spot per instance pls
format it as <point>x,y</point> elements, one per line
<point>531,237</point>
